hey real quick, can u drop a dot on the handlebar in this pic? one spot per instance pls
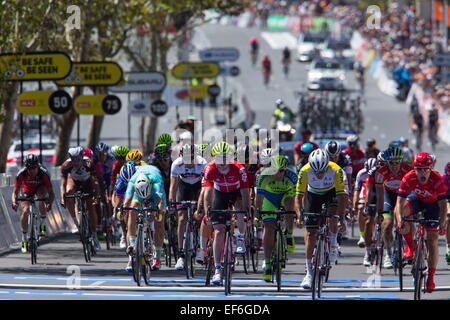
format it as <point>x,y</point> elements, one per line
<point>78,194</point>
<point>320,215</point>
<point>30,199</point>
<point>420,220</point>
<point>277,212</point>
<point>227,211</point>
<point>140,209</point>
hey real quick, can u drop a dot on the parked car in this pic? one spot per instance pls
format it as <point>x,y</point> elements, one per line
<point>327,74</point>
<point>14,159</point>
<point>308,45</point>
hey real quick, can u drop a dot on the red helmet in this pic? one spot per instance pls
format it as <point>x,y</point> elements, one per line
<point>88,153</point>
<point>423,159</point>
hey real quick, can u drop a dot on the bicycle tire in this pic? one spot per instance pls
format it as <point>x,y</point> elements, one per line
<point>277,261</point>
<point>321,271</point>
<point>417,271</point>
<point>399,258</point>
<point>381,252</point>
<point>316,257</point>
<point>32,241</point>
<point>187,253</point>
<point>209,265</point>
<point>138,257</point>
<point>227,264</point>
<point>85,237</point>
<point>254,251</point>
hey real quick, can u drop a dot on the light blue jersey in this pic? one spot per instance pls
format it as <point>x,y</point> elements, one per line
<point>157,184</point>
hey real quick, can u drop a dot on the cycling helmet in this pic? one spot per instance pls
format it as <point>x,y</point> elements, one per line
<point>31,160</point>
<point>134,155</point>
<point>318,160</point>
<point>185,136</point>
<point>403,140</point>
<point>165,138</point>
<point>447,169</point>
<point>76,152</point>
<point>188,150</point>
<point>395,143</point>
<point>221,148</point>
<point>142,187</point>
<point>265,155</point>
<point>333,148</point>
<point>127,171</point>
<point>201,148</point>
<point>88,153</point>
<point>278,162</point>
<point>353,139</point>
<point>370,163</point>
<point>101,147</point>
<point>279,103</point>
<point>162,151</point>
<point>393,153</point>
<point>113,149</point>
<point>423,159</point>
<point>306,148</point>
<point>370,142</point>
<point>121,152</point>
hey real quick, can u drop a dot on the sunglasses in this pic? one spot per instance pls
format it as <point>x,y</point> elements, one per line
<point>77,159</point>
<point>394,162</point>
<point>32,168</point>
<point>422,169</point>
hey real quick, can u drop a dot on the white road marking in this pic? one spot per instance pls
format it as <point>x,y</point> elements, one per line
<point>279,40</point>
<point>97,283</point>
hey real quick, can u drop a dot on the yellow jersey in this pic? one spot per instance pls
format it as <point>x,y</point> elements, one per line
<point>333,178</point>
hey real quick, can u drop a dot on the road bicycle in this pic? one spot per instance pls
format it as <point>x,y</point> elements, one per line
<point>419,268</point>
<point>143,253</point>
<point>33,223</point>
<point>398,261</point>
<point>321,253</point>
<point>189,246</point>
<point>171,245</point>
<point>107,226</point>
<point>251,244</point>
<point>279,254</point>
<point>377,247</point>
<point>227,253</point>
<point>85,229</point>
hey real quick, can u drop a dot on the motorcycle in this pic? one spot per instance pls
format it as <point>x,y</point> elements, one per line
<point>286,131</point>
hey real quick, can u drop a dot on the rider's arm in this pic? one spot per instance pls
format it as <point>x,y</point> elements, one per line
<point>399,210</point>
<point>208,197</point>
<point>340,191</point>
<point>380,196</point>
<point>173,188</point>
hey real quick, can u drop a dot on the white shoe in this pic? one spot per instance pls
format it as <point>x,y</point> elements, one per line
<point>123,242</point>
<point>240,245</point>
<point>334,252</point>
<point>366,261</point>
<point>180,264</point>
<point>217,278</point>
<point>361,242</point>
<point>200,257</point>
<point>129,267</point>
<point>97,244</point>
<point>387,264</point>
<point>307,282</point>
<point>74,229</point>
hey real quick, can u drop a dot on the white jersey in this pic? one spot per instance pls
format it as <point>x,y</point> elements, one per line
<point>188,175</point>
<point>360,179</point>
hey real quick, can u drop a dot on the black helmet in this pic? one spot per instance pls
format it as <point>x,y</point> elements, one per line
<point>31,160</point>
<point>371,141</point>
<point>333,148</point>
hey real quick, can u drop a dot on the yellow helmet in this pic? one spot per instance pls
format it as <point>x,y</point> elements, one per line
<point>134,155</point>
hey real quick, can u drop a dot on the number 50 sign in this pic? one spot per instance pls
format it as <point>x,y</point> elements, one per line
<point>44,102</point>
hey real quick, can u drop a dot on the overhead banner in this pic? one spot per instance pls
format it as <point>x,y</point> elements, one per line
<point>36,66</point>
<point>189,70</point>
<point>98,105</point>
<point>44,102</point>
<point>142,82</point>
<point>93,74</point>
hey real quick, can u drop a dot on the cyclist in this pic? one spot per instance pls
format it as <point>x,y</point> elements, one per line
<point>417,125</point>
<point>305,151</point>
<point>286,60</point>
<point>446,181</point>
<point>387,180</point>
<point>323,182</point>
<point>120,153</point>
<point>266,65</point>
<point>230,183</point>
<point>126,172</point>
<point>359,198</point>
<point>423,189</point>
<point>135,156</point>
<point>306,137</point>
<point>433,122</point>
<point>408,153</point>
<point>35,180</point>
<point>185,184</point>
<point>254,48</point>
<point>145,185</point>
<point>359,69</point>
<point>372,151</point>
<point>356,154</point>
<point>282,113</point>
<point>88,154</point>
<point>276,188</point>
<point>78,174</point>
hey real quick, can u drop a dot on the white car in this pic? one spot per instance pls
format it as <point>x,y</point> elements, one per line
<point>308,45</point>
<point>14,159</point>
<point>341,49</point>
<point>326,74</point>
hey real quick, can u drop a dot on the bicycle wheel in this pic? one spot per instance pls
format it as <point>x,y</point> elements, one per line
<point>254,250</point>
<point>399,258</point>
<point>33,239</point>
<point>187,254</point>
<point>227,264</point>
<point>147,258</point>
<point>278,256</point>
<point>322,270</point>
<point>85,237</point>
<point>137,259</point>
<point>316,264</point>
<point>417,271</point>
<point>209,259</point>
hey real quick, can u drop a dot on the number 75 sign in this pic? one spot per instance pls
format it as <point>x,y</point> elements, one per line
<point>98,104</point>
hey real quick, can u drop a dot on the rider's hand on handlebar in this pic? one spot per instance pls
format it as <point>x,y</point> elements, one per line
<point>14,205</point>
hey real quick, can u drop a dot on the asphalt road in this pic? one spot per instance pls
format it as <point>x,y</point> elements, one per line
<point>105,277</point>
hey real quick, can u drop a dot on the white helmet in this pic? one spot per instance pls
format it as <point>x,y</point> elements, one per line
<point>113,149</point>
<point>370,163</point>
<point>265,155</point>
<point>75,152</point>
<point>142,187</point>
<point>318,160</point>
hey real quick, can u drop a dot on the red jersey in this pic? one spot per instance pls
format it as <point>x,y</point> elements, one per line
<point>429,192</point>
<point>390,181</point>
<point>298,146</point>
<point>251,174</point>
<point>358,159</point>
<point>115,171</point>
<point>235,179</point>
<point>30,183</point>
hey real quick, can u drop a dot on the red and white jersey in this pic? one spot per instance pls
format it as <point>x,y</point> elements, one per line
<point>390,181</point>
<point>429,192</point>
<point>360,183</point>
<point>358,158</point>
<point>31,183</point>
<point>235,179</point>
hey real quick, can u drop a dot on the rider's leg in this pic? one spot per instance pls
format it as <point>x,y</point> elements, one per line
<point>181,229</point>
<point>159,233</point>
<point>25,206</point>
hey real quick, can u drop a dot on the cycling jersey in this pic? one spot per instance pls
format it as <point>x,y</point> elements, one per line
<point>446,181</point>
<point>275,191</point>
<point>358,158</point>
<point>333,179</point>
<point>32,183</point>
<point>235,179</point>
<point>104,169</point>
<point>155,179</point>
<point>390,181</point>
<point>165,174</point>
<point>188,175</point>
<point>115,171</point>
<point>432,191</point>
<point>251,174</point>
<point>121,187</point>
<point>360,183</point>
<point>81,174</point>
<point>345,162</point>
